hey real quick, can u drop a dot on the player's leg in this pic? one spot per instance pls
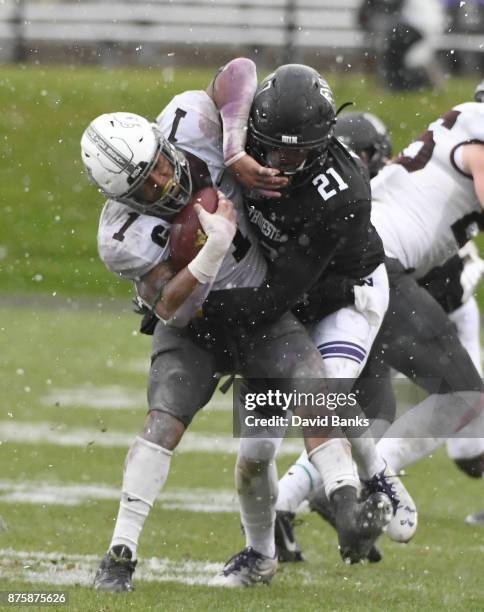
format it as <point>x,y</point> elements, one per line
<point>467,447</point>
<point>297,484</point>
<point>332,458</point>
<point>344,365</point>
<point>280,352</point>
<point>344,340</point>
<point>181,382</point>
<point>418,339</point>
<point>256,483</point>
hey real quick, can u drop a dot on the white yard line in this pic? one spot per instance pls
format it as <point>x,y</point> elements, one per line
<point>60,435</point>
<point>113,397</point>
<point>195,499</point>
<point>65,569</point>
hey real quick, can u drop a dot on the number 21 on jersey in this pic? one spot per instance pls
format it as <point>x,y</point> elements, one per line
<point>329,183</point>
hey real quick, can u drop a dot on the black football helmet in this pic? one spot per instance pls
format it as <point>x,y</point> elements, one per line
<point>479,93</point>
<point>291,121</point>
<point>367,136</point>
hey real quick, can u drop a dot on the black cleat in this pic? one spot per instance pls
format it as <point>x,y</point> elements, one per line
<point>359,524</point>
<point>319,503</point>
<point>115,572</point>
<point>287,547</point>
<point>246,568</point>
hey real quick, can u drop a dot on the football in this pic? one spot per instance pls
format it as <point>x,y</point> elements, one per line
<point>186,235</point>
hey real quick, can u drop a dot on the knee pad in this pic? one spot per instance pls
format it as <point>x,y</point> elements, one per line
<point>258,450</point>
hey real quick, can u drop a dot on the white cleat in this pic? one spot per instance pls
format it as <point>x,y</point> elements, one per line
<point>246,568</point>
<point>403,525</point>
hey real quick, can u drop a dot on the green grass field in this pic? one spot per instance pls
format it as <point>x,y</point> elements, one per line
<point>73,396</point>
<point>73,374</point>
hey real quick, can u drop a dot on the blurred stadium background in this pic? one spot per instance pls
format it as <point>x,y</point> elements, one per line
<point>113,32</point>
<point>72,366</point>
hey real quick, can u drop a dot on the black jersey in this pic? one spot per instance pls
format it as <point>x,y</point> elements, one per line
<point>328,217</point>
<point>319,228</point>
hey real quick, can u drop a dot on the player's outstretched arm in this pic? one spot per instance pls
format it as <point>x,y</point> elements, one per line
<point>233,90</point>
<point>165,291</point>
<point>473,158</point>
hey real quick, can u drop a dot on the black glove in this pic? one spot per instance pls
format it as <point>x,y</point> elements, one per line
<point>149,320</point>
<point>328,295</point>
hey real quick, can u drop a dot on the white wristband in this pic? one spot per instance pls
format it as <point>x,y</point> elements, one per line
<point>206,264</point>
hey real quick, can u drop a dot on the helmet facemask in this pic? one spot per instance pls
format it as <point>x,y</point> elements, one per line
<point>291,122</point>
<point>174,194</point>
<point>294,162</point>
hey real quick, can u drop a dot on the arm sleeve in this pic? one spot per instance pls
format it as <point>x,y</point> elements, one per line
<point>232,91</point>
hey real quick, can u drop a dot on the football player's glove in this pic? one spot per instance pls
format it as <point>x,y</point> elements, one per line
<point>327,296</point>
<point>472,271</point>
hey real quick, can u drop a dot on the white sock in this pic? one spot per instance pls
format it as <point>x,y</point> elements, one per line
<point>400,452</point>
<point>256,484</point>
<point>366,456</point>
<point>297,483</point>
<point>334,463</point>
<point>145,472</point>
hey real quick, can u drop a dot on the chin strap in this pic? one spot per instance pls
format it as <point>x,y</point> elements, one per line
<point>343,106</point>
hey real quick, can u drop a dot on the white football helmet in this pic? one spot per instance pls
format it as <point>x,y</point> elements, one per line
<point>119,150</point>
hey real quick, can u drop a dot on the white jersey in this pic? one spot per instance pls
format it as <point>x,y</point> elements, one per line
<point>131,244</point>
<point>424,204</point>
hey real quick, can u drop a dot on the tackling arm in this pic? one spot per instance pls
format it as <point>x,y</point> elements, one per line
<point>473,159</point>
<point>232,91</point>
<point>291,276</point>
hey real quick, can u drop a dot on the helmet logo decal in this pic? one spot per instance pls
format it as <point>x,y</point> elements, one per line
<point>289,139</point>
<point>326,92</point>
<point>115,156</point>
<point>136,172</point>
<point>267,84</point>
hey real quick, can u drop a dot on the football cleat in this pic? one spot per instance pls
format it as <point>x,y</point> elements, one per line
<point>360,524</point>
<point>319,503</point>
<point>403,525</point>
<point>246,568</point>
<point>115,572</point>
<point>475,519</point>
<point>288,550</point>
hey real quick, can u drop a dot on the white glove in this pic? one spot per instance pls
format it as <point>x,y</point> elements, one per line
<point>368,303</point>
<point>220,233</point>
<point>473,270</point>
